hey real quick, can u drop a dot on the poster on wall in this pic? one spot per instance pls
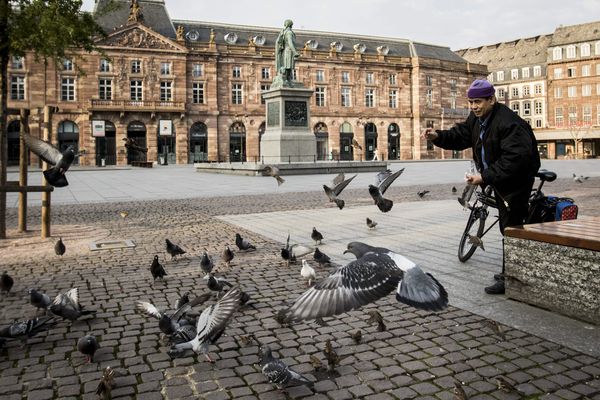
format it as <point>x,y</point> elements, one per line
<point>165,127</point>
<point>98,128</point>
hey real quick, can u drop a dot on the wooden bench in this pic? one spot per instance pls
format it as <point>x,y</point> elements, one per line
<point>142,164</point>
<point>556,265</point>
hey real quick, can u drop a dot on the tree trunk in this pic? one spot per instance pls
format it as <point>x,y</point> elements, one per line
<point>4,49</point>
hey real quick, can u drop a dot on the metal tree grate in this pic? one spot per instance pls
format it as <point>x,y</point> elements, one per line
<point>111,244</point>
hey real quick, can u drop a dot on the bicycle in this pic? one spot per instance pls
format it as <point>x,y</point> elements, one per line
<point>479,213</point>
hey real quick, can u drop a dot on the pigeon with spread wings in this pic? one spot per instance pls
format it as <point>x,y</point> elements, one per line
<point>377,192</point>
<point>61,161</point>
<point>334,192</point>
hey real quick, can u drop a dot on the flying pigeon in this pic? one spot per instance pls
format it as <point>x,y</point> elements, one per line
<point>465,197</point>
<point>6,283</point>
<point>227,256</point>
<point>38,299</point>
<point>476,240</point>
<point>87,346</point>
<point>356,145</point>
<point>170,324</point>
<point>106,384</point>
<point>59,247</point>
<point>377,192</point>
<point>25,329</point>
<point>339,179</point>
<point>217,285</point>
<point>211,325</point>
<point>206,264</point>
<point>316,236</point>
<point>374,274</point>
<point>371,224</point>
<point>157,269</point>
<point>308,273</point>
<point>243,244</point>
<point>50,154</point>
<point>580,178</point>
<point>287,252</point>
<point>173,249</point>
<point>67,305</point>
<point>422,193</point>
<point>278,373</point>
<point>271,170</point>
<point>382,175</point>
<point>333,193</point>
<point>321,257</point>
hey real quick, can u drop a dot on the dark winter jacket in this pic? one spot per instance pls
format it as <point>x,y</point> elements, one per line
<point>510,149</point>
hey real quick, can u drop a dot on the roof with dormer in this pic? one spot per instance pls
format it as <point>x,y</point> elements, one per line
<point>576,33</point>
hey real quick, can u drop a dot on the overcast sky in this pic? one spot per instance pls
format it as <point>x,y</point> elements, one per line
<point>453,23</point>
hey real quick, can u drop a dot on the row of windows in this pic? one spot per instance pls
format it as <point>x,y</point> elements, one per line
<point>571,51</point>
<point>586,90</point>
<point>514,74</point>
<point>524,108</point>
<point>586,70</point>
<point>572,115</point>
<point>517,91</point>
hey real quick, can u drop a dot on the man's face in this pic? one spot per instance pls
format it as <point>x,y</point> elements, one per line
<point>482,107</point>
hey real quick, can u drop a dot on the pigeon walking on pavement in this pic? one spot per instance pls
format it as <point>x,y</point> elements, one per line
<point>308,273</point>
<point>211,325</point>
<point>39,299</point>
<point>227,256</point>
<point>67,305</point>
<point>278,373</point>
<point>334,192</point>
<point>6,283</point>
<point>371,224</point>
<point>23,330</point>
<point>378,191</point>
<point>316,236</point>
<point>206,264</point>
<point>59,247</point>
<point>61,161</point>
<point>87,346</point>
<point>243,244</point>
<point>157,269</point>
<point>173,249</point>
<point>271,170</point>
<point>580,178</point>
<point>321,257</point>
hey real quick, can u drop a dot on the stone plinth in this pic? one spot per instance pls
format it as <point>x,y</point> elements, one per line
<point>288,136</point>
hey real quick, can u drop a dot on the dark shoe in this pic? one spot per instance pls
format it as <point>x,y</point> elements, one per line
<point>496,288</point>
<point>499,277</point>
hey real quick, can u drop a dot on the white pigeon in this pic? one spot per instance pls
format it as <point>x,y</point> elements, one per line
<point>308,272</point>
<point>580,178</point>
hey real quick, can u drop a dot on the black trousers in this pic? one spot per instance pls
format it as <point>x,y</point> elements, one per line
<point>516,212</point>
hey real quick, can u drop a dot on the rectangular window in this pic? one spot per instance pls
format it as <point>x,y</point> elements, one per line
<point>587,114</point>
<point>537,89</point>
<point>265,73</point>
<point>104,65</point>
<point>558,116</point>
<point>393,103</point>
<point>198,92</point>
<point>558,92</point>
<point>572,91</point>
<point>515,92</point>
<point>16,62</point>
<point>67,64</point>
<point>392,79</point>
<point>320,75</point>
<point>345,76</point>
<point>557,53</point>
<point>598,114</point>
<point>17,87</point>
<point>453,84</point>
<point>526,108</point>
<point>263,88</point>
<point>500,76</point>
<point>429,98</point>
<point>105,89</point>
<point>526,90</point>
<point>236,93</point>
<point>197,70</point>
<point>585,50</point>
<point>515,107</point>
<point>598,69</point>
<point>294,74</point>
<point>598,89</point>
<point>166,91</point>
<point>586,70</point>
<point>345,99</point>
<point>453,100</point>
<point>571,72</point>
<point>67,89</point>
<point>514,74</point>
<point>571,51</point>
<point>501,93</point>
<point>136,91</point>
<point>369,97</point>
<point>537,107</point>
<point>136,67</point>
<point>572,115</point>
<point>558,73</point>
<point>236,72</point>
<point>370,78</point>
<point>165,68</point>
<point>428,80</point>
<point>320,96</point>
<point>586,90</point>
<point>538,123</point>
<point>537,71</point>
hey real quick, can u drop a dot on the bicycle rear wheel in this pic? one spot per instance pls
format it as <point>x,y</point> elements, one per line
<point>475,227</point>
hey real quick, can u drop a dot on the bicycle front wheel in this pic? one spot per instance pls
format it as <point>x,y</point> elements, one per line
<point>475,227</point>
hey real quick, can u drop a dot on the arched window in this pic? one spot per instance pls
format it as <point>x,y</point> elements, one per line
<point>393,142</point>
<point>68,135</point>
<point>370,141</point>
<point>136,130</point>
<point>166,141</point>
<point>346,136</point>
<point>198,143</point>
<point>322,136</point>
<point>237,142</point>
<point>106,146</point>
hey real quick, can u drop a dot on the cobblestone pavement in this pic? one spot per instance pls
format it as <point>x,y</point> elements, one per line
<point>418,356</point>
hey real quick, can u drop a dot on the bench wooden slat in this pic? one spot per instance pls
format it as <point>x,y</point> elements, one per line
<point>583,233</point>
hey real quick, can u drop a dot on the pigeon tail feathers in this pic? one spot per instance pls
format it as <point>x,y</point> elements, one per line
<point>55,178</point>
<point>385,205</point>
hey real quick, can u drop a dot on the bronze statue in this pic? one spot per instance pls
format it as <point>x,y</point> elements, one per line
<point>135,12</point>
<point>179,32</point>
<point>131,144</point>
<point>285,55</point>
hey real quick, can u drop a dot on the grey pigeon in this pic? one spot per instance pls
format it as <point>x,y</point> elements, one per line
<point>39,299</point>
<point>278,373</point>
<point>316,236</point>
<point>321,257</point>
<point>382,175</point>
<point>287,252</point>
<point>67,305</point>
<point>173,249</point>
<point>422,193</point>
<point>243,244</point>
<point>87,346</point>
<point>60,160</point>
<point>227,256</point>
<point>377,192</point>
<point>580,178</point>
<point>59,247</point>
<point>334,192</point>
<point>271,170</point>
<point>466,195</point>
<point>106,384</point>
<point>157,269</point>
<point>25,329</point>
<point>211,325</point>
<point>217,285</point>
<point>184,299</point>
<point>374,274</point>
<point>206,263</point>
<point>6,283</point>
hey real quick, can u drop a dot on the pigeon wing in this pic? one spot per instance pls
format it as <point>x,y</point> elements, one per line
<point>214,318</point>
<point>181,311</point>
<point>329,193</point>
<point>276,372</point>
<point>338,188</point>
<point>43,150</point>
<point>360,282</point>
<point>421,290</point>
<point>71,297</point>
<point>388,181</point>
<point>338,179</point>
<point>148,308</point>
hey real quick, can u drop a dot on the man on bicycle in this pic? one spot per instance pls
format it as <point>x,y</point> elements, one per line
<point>504,150</point>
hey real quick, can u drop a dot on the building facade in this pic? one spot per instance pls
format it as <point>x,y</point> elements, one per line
<point>191,91</point>
<point>553,82</point>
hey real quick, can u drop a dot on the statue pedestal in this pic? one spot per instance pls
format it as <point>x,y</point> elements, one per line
<point>288,136</point>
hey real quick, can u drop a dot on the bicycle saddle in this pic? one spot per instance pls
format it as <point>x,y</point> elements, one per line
<point>546,176</point>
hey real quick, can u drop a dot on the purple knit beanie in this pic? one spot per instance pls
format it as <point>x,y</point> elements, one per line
<point>480,89</point>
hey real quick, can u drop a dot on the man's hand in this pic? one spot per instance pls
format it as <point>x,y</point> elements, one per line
<point>474,179</point>
<point>429,134</point>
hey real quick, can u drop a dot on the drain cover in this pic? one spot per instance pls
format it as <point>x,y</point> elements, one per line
<point>111,244</point>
